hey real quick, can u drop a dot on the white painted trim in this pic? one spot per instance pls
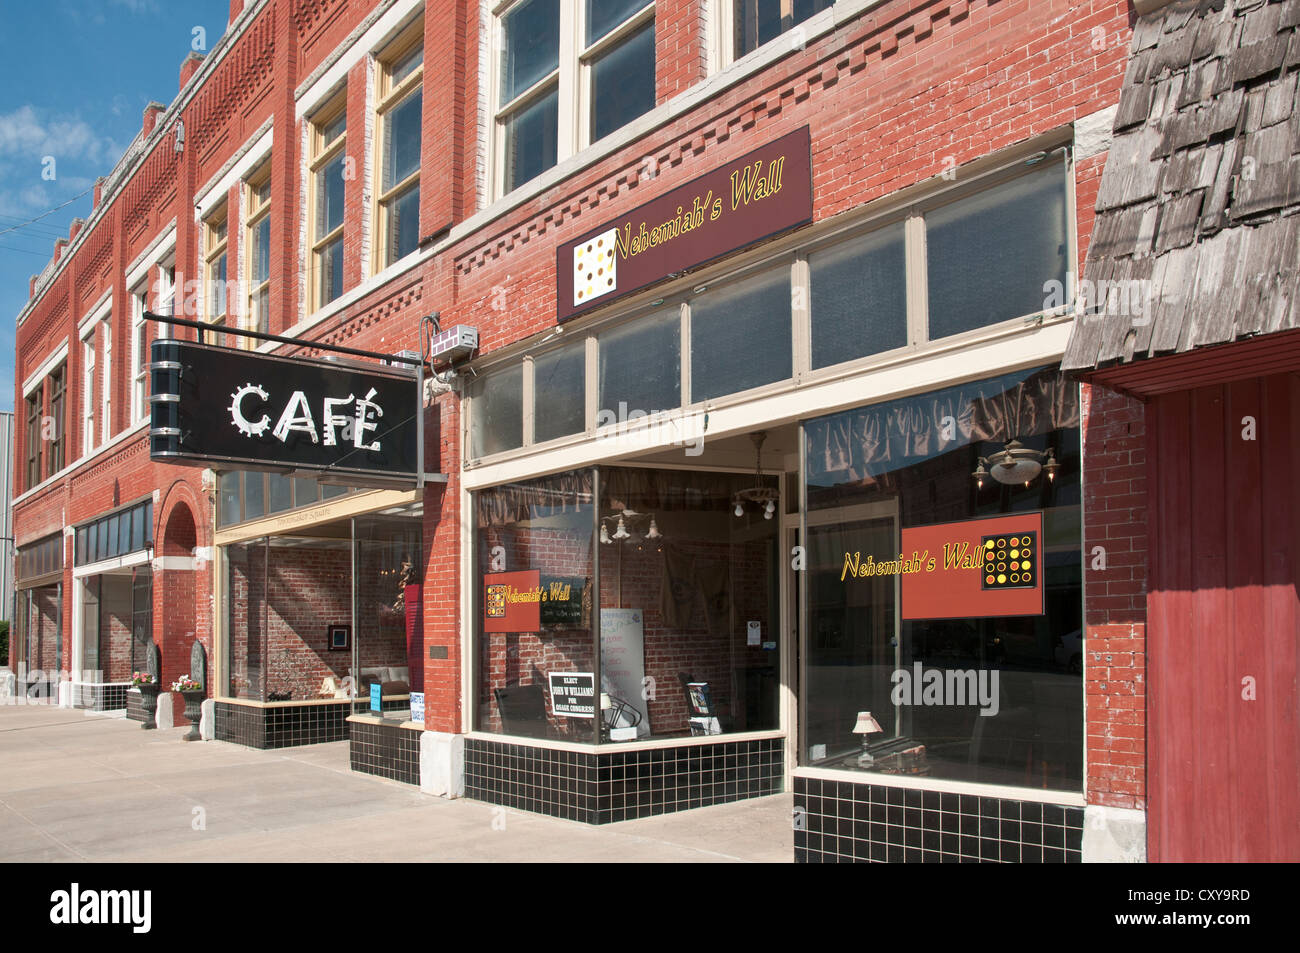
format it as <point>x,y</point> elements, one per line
<point>162,246</point>
<point>49,364</point>
<point>927,783</point>
<point>96,312</point>
<point>370,41</point>
<point>254,153</point>
<point>138,558</point>
<point>164,563</point>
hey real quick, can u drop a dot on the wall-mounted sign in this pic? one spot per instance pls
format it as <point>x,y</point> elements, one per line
<point>511,601</point>
<point>750,198</point>
<point>562,600</point>
<point>573,694</point>
<point>971,569</point>
<point>220,407</point>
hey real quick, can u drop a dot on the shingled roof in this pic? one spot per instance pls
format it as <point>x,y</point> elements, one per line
<point>1198,214</point>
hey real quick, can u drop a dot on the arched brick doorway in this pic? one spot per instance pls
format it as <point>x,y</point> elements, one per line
<point>175,590</point>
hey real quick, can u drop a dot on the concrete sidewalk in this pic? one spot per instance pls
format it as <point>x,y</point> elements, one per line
<point>77,786</point>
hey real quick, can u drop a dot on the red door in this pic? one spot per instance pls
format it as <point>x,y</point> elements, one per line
<point>1223,622</point>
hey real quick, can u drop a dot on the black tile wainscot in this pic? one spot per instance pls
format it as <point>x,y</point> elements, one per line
<point>281,726</point>
<point>98,696</point>
<point>387,750</point>
<point>842,822</point>
<point>597,787</point>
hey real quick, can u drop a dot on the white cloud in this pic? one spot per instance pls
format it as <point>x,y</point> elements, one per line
<point>25,133</point>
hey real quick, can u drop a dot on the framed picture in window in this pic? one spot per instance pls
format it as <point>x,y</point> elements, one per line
<point>340,638</point>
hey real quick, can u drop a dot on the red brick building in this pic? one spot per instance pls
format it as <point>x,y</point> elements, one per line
<point>851,358</point>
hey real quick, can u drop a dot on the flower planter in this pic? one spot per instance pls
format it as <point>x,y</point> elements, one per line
<point>149,700</point>
<point>193,706</point>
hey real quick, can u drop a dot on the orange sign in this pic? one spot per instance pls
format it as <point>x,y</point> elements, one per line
<point>972,569</point>
<point>512,601</point>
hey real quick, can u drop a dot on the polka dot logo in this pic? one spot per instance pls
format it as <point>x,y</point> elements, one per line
<point>595,267</point>
<point>1010,561</point>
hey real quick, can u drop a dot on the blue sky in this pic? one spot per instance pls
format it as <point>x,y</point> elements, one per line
<point>75,76</point>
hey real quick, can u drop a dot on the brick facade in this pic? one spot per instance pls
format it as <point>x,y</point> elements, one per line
<point>897,94</point>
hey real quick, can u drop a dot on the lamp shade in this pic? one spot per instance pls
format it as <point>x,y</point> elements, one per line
<point>867,724</point>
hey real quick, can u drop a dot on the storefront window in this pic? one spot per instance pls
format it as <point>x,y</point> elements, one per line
<point>688,609</point>
<point>533,537</point>
<point>944,585</point>
<point>561,375</point>
<point>640,368</point>
<point>322,615</point>
<point>498,417</point>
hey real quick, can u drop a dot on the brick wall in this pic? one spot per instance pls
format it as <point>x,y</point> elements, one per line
<point>1115,530</point>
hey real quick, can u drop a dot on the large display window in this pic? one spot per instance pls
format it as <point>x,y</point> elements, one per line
<point>325,613</point>
<point>943,585</point>
<point>682,639</point>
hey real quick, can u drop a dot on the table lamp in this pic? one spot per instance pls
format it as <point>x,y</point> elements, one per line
<point>866,727</point>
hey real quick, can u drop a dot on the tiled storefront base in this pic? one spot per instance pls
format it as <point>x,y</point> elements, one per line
<point>602,787</point>
<point>840,821</point>
<point>385,750</point>
<point>281,726</point>
<point>108,696</point>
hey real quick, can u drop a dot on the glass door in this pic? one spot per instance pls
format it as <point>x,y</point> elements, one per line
<point>851,637</point>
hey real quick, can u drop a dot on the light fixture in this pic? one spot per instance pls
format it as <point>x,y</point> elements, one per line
<point>764,496</point>
<point>1016,463</point>
<point>622,519</point>
<point>866,727</point>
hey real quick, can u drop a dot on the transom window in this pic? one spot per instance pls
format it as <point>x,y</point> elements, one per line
<point>570,72</point>
<point>329,171</point>
<point>401,99</point>
<point>950,267</point>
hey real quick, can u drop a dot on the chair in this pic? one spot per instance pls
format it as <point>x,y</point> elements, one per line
<point>523,710</point>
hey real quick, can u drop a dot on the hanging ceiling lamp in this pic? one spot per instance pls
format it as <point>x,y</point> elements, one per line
<point>1015,464</point>
<point>764,496</point>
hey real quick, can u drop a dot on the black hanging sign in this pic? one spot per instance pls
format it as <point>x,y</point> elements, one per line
<point>218,407</point>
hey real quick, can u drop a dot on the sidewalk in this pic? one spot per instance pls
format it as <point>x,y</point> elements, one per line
<point>76,786</point>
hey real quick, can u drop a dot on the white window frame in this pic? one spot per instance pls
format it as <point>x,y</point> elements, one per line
<point>722,45</point>
<point>139,359</point>
<point>388,96</point>
<point>572,77</point>
<point>106,379</point>
<point>88,388</point>
<point>319,155</point>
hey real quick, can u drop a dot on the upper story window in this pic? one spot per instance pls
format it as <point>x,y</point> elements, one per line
<point>33,408</point>
<point>755,22</point>
<point>570,73</point>
<point>215,235</point>
<point>88,390</point>
<point>401,99</point>
<point>257,309</point>
<point>58,385</point>
<point>139,355</point>
<point>329,170</point>
<point>106,379</point>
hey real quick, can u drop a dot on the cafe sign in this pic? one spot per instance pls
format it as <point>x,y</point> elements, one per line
<point>755,196</point>
<point>226,408</point>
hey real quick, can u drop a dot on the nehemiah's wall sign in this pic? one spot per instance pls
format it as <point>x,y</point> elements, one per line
<point>750,198</point>
<point>215,406</point>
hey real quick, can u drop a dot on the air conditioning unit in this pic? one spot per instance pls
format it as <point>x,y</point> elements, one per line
<point>453,344</point>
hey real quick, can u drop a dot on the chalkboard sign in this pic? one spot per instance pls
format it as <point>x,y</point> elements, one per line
<point>573,694</point>
<point>562,604</point>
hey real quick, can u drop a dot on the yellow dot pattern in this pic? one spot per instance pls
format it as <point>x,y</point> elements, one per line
<point>1010,562</point>
<point>595,268</point>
